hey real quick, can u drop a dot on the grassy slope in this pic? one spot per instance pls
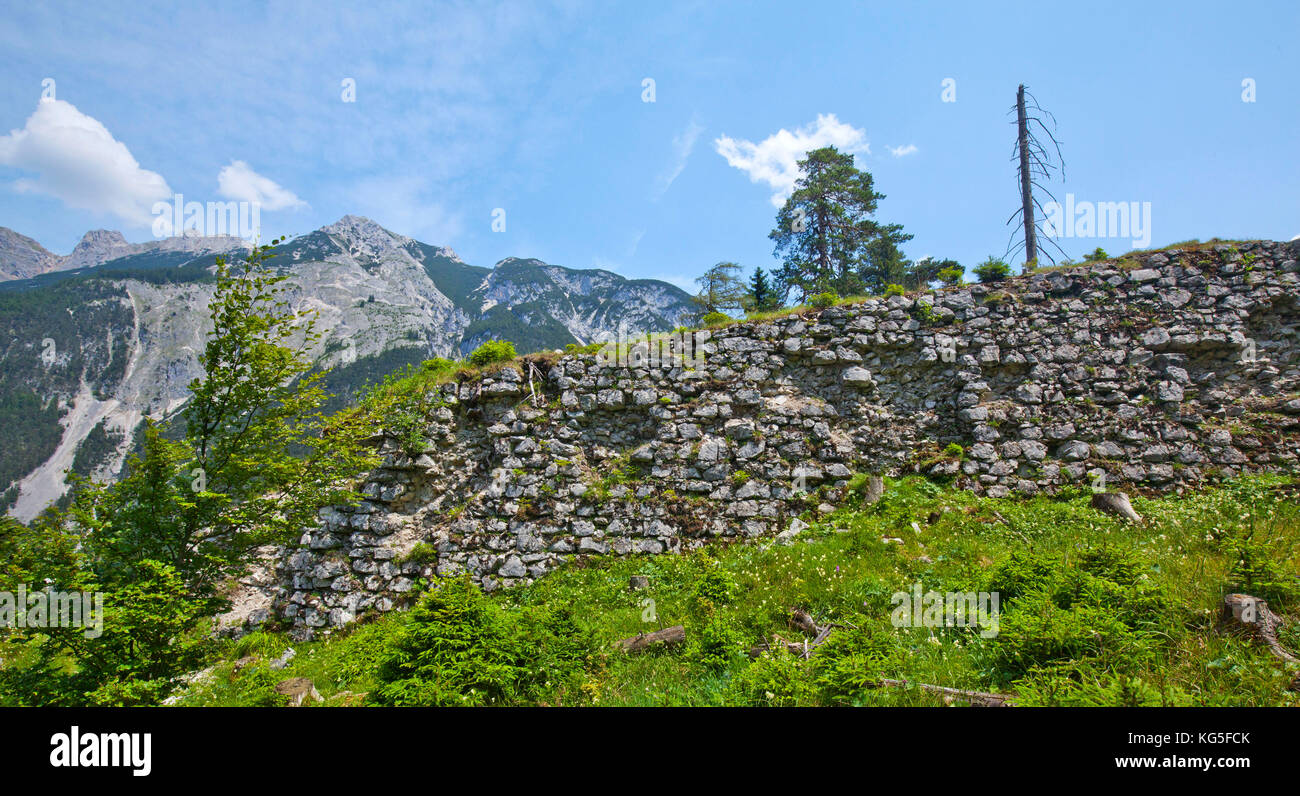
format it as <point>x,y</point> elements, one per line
<point>843,571</point>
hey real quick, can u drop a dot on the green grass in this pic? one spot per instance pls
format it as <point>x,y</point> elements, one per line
<point>1095,611</point>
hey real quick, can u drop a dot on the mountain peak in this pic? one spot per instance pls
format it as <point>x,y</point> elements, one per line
<point>21,257</point>
<point>101,237</point>
<point>97,246</point>
<point>353,225</point>
<point>364,238</point>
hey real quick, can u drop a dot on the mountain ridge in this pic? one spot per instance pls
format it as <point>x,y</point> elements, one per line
<point>100,346</point>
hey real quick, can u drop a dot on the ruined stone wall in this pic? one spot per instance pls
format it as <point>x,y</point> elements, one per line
<point>1162,372</point>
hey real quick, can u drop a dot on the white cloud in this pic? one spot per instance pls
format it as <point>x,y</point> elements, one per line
<point>238,181</point>
<point>683,146</point>
<point>902,151</point>
<point>774,160</point>
<point>78,162</point>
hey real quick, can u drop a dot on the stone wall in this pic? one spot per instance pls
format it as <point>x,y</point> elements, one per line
<point>1162,372</point>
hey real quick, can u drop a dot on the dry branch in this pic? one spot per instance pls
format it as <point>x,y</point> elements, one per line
<point>981,699</point>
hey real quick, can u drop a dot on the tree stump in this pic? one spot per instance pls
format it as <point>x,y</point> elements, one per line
<point>1251,615</point>
<point>1115,503</point>
<point>875,490</point>
<point>299,690</point>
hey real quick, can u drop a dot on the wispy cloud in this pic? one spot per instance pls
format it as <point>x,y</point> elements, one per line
<point>238,181</point>
<point>902,151</point>
<point>683,146</point>
<point>774,160</point>
<point>78,161</point>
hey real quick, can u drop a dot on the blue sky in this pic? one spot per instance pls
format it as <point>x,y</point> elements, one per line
<point>537,109</point>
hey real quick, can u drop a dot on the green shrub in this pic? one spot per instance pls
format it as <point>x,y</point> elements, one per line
<point>361,652</point>
<point>715,642</point>
<point>437,365</point>
<point>923,311</point>
<point>457,647</point>
<point>1259,569</point>
<point>894,290</point>
<point>1094,604</point>
<point>491,352</point>
<point>1090,688</point>
<point>954,450</point>
<point>714,585</point>
<point>421,553</point>
<point>255,687</point>
<point>951,276</point>
<point>858,483</point>
<point>407,423</point>
<point>1096,254</point>
<point>992,270</point>
<point>823,300</point>
<point>590,348</point>
<point>852,661</point>
<point>714,318</point>
<point>777,679</point>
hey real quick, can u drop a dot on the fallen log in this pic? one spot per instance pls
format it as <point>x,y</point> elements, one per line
<point>980,699</point>
<point>1252,615</point>
<point>668,637</point>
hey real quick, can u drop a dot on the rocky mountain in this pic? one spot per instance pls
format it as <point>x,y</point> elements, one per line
<point>110,334</point>
<point>23,258</point>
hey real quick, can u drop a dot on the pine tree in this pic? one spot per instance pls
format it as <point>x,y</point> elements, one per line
<point>762,295</point>
<point>826,235</point>
<point>720,289</point>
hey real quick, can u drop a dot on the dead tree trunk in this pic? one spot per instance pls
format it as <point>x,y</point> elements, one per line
<point>1026,186</point>
<point>1033,161</point>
